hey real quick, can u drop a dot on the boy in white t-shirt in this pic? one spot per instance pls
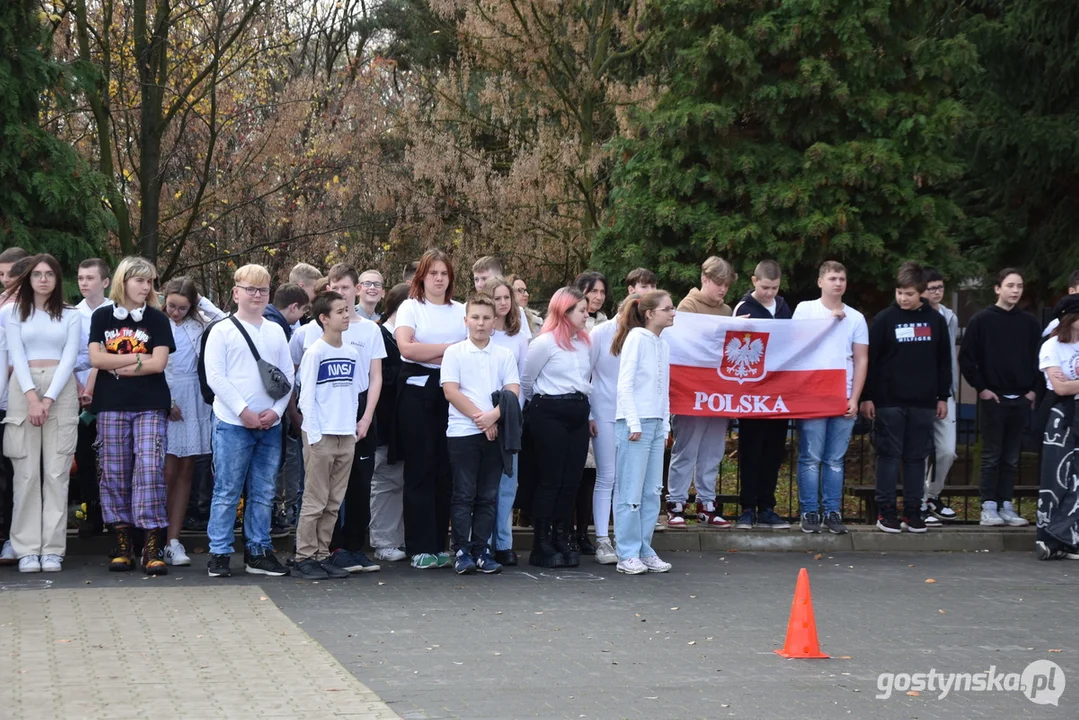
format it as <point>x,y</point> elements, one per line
<point>472,370</point>
<point>365,338</point>
<point>329,403</point>
<point>822,442</point>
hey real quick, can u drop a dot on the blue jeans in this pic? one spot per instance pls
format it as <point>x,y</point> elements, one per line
<point>502,538</point>
<point>242,458</point>
<point>822,447</point>
<point>638,484</point>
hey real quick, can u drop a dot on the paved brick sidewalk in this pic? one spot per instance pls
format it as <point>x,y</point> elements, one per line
<point>697,643</point>
<point>157,652</point>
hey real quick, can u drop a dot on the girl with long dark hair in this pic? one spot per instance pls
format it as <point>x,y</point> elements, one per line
<point>41,426</point>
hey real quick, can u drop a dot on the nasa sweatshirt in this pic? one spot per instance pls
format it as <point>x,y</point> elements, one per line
<point>910,358</point>
<point>328,398</point>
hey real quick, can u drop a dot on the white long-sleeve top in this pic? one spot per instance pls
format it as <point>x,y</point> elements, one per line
<point>3,365</point>
<point>233,374</point>
<point>604,397</point>
<point>644,380</point>
<point>551,370</point>
<point>328,398</point>
<point>82,363</point>
<point>40,337</point>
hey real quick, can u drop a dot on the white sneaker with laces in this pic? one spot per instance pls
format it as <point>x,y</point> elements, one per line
<point>1010,516</point>
<point>390,554</point>
<point>655,565</point>
<point>29,564</point>
<point>633,566</point>
<point>176,554</point>
<point>605,554</point>
<point>51,563</point>
<point>990,516</point>
<point>7,556</point>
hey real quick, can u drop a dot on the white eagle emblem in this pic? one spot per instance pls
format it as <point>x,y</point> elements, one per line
<point>743,356</point>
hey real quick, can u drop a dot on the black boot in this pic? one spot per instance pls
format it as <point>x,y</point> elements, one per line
<point>153,553</point>
<point>543,552</point>
<point>565,543</point>
<point>123,557</point>
<point>584,543</point>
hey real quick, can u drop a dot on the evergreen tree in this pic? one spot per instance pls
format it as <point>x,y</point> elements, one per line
<point>1021,195</point>
<point>801,130</point>
<point>49,199</point>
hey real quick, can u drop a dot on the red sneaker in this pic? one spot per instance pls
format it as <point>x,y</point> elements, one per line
<point>707,515</point>
<point>676,515</point>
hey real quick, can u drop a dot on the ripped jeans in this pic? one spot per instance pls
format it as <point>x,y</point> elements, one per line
<point>637,487</point>
<point>822,450</point>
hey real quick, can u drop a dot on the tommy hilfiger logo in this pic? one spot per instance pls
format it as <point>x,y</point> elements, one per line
<point>914,332</point>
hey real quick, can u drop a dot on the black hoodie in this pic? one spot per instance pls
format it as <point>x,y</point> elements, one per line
<point>910,358</point>
<point>1000,351</point>
<point>752,307</point>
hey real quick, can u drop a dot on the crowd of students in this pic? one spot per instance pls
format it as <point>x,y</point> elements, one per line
<point>356,413</point>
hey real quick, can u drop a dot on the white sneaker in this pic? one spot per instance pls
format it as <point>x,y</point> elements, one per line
<point>390,554</point>
<point>175,554</point>
<point>633,566</point>
<point>655,565</point>
<point>51,563</point>
<point>7,557</point>
<point>605,554</point>
<point>1010,516</point>
<point>990,516</point>
<point>29,564</point>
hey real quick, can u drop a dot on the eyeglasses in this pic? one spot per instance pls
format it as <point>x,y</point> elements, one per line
<point>178,309</point>
<point>43,275</point>
<point>935,288</point>
<point>253,291</point>
<point>371,284</point>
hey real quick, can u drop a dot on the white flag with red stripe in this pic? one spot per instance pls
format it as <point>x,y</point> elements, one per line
<point>734,367</point>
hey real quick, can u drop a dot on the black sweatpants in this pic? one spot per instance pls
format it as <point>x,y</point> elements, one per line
<point>760,455</point>
<point>352,533</point>
<point>902,435</point>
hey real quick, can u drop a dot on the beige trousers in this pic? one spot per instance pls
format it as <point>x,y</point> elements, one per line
<point>41,457</point>
<point>326,467</point>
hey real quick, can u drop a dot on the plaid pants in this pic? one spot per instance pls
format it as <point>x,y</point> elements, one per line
<point>131,456</point>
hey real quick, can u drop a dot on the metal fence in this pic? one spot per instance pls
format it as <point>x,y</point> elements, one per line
<point>960,487</point>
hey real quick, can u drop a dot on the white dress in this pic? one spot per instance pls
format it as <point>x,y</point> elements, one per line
<point>191,435</point>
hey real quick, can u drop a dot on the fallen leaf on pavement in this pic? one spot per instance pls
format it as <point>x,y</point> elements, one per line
<point>913,693</point>
<point>930,580</point>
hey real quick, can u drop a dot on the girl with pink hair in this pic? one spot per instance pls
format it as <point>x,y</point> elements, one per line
<point>556,384</point>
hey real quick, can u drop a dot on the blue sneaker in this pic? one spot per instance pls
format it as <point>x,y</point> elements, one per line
<point>487,564</point>
<point>746,520</point>
<point>464,564</point>
<point>770,519</point>
<point>354,562</point>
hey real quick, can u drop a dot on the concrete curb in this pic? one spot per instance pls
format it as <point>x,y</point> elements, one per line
<point>861,538</point>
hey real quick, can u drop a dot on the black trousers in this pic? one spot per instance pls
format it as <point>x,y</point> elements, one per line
<point>902,435</point>
<point>86,461</point>
<point>352,533</point>
<point>476,464</point>
<point>559,435</point>
<point>1002,427</point>
<point>422,416</point>
<point>760,454</point>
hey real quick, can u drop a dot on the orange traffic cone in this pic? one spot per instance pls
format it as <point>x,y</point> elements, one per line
<point>802,628</point>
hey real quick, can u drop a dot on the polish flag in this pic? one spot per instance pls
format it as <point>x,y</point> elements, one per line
<point>735,367</point>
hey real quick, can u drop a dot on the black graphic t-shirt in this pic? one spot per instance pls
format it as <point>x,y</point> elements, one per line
<point>125,337</point>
